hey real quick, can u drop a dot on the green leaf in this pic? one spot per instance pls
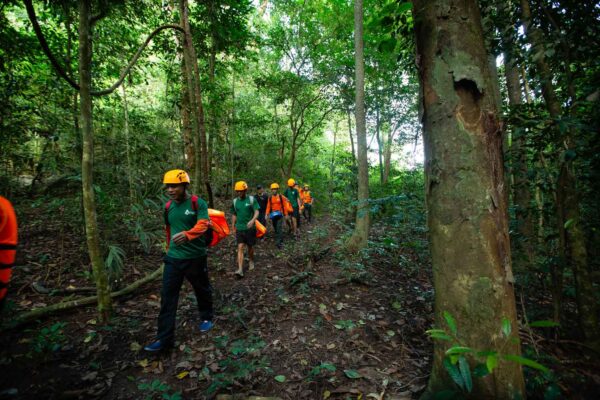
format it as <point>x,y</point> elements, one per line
<point>506,327</point>
<point>465,372</point>
<point>459,350</point>
<point>352,374</point>
<point>491,362</point>
<point>569,223</point>
<point>453,372</point>
<point>544,324</point>
<point>451,322</point>
<point>525,361</point>
<point>280,378</point>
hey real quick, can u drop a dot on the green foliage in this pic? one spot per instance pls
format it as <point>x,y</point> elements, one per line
<point>321,370</point>
<point>241,360</point>
<point>48,340</point>
<point>158,390</point>
<point>459,355</point>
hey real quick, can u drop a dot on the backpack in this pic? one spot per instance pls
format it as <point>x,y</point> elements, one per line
<point>285,204</point>
<point>218,228</point>
<point>251,201</point>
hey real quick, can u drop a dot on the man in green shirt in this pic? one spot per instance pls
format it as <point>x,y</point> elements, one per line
<point>245,211</point>
<point>186,219</point>
<point>293,196</point>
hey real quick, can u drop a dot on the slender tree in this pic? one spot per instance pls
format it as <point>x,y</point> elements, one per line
<point>359,238</point>
<point>467,210</point>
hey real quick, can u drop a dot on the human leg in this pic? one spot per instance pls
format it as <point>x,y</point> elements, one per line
<point>169,298</point>
<point>197,274</point>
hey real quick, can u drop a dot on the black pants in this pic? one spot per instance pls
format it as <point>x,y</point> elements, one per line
<point>296,214</point>
<point>196,272</point>
<point>307,212</point>
<point>278,226</point>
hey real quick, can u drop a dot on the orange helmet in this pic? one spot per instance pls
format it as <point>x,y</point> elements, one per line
<point>291,182</point>
<point>274,185</point>
<point>241,185</point>
<point>176,176</point>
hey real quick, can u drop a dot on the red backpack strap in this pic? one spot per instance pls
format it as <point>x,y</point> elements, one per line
<point>194,202</point>
<point>167,212</point>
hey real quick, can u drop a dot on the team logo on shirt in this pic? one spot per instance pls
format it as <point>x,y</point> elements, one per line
<point>188,212</point>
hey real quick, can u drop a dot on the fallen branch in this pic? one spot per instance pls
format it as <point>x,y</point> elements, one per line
<point>67,305</point>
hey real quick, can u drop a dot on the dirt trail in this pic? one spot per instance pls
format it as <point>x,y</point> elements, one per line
<point>307,323</point>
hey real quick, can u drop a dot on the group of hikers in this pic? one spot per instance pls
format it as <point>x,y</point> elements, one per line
<point>191,228</point>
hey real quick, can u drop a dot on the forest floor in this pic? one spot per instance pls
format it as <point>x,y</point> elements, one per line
<point>309,322</point>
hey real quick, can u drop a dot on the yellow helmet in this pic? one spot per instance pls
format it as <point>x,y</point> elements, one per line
<point>240,185</point>
<point>274,185</point>
<point>291,182</point>
<point>306,186</point>
<point>176,176</point>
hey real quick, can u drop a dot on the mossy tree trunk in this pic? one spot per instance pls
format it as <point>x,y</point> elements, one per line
<point>359,237</point>
<point>87,164</point>
<point>570,226</point>
<point>466,202</point>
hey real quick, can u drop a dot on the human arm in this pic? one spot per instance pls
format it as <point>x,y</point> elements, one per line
<point>253,220</point>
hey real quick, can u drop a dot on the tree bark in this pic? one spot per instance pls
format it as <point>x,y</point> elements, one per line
<point>87,164</point>
<point>351,137</point>
<point>569,219</point>
<point>127,145</point>
<point>379,143</point>
<point>521,185</point>
<point>360,236</point>
<point>387,156</point>
<point>193,79</point>
<point>186,123</point>
<point>466,202</point>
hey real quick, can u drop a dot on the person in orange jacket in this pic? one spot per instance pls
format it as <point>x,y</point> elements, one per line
<point>186,221</point>
<point>276,212</point>
<point>307,201</point>
<point>8,245</point>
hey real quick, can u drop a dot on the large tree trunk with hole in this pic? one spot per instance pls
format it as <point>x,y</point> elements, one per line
<point>569,219</point>
<point>359,237</point>
<point>87,165</point>
<point>467,210</point>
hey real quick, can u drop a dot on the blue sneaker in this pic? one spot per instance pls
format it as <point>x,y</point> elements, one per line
<point>158,346</point>
<point>206,326</point>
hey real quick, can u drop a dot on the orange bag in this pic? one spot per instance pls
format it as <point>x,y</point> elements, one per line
<point>260,229</point>
<point>288,206</point>
<point>218,226</point>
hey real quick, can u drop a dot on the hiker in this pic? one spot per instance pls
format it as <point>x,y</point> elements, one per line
<point>186,220</point>
<point>276,212</point>
<point>307,201</point>
<point>245,212</point>
<point>294,197</point>
<point>301,209</point>
<point>8,245</point>
<point>262,198</point>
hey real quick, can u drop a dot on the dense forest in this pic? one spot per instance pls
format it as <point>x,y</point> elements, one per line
<point>448,150</point>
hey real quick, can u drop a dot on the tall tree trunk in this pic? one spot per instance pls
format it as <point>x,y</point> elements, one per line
<point>351,137</point>
<point>193,72</point>
<point>379,143</point>
<point>359,237</point>
<point>569,221</point>
<point>332,167</point>
<point>467,210</point>
<point>186,123</point>
<point>87,164</point>
<point>521,186</point>
<point>387,156</point>
<point>127,145</point>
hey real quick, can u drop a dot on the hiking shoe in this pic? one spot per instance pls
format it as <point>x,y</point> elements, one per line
<point>239,274</point>
<point>250,265</point>
<point>158,346</point>
<point>205,326</point>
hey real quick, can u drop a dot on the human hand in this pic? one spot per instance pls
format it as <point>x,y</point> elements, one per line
<point>180,238</point>
<point>250,224</point>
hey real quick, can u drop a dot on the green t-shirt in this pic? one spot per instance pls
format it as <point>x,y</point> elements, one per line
<point>243,209</point>
<point>293,195</point>
<point>182,217</point>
